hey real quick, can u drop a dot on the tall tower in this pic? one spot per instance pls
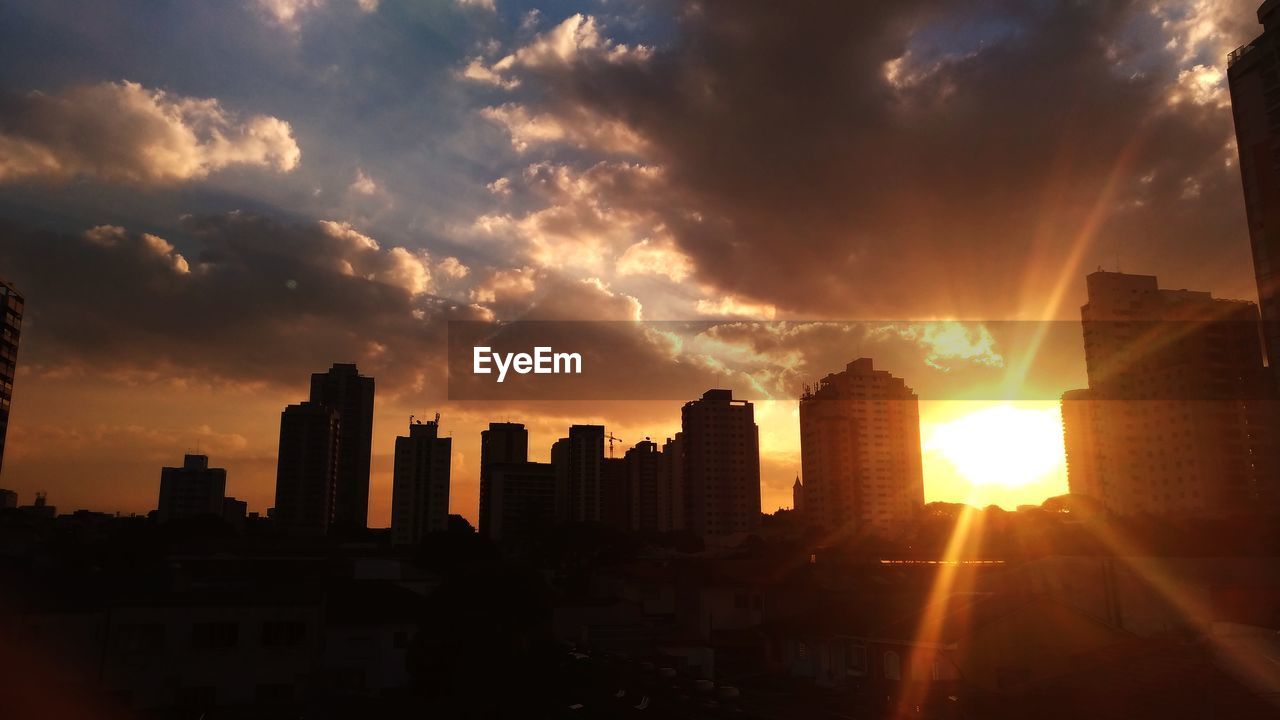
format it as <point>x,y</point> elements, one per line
<point>721,464</point>
<point>420,484</point>
<point>307,469</point>
<point>12,328</point>
<point>503,442</point>
<point>860,451</point>
<point>1253,72</point>
<point>579,462</point>
<point>350,394</point>
<point>1179,417</point>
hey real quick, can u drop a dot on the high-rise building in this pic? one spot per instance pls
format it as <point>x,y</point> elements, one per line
<point>350,394</point>
<point>1253,73</point>
<point>579,460</point>
<point>9,334</point>
<point>503,442</point>
<point>420,483</point>
<point>860,451</point>
<point>192,490</point>
<point>522,501</point>
<point>644,470</point>
<point>1179,417</point>
<point>615,493</point>
<point>307,469</point>
<point>671,485</point>
<point>721,464</point>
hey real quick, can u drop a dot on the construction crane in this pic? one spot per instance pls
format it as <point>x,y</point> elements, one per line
<point>611,438</point>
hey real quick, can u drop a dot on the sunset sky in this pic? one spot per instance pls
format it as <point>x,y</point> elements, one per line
<point>205,203</point>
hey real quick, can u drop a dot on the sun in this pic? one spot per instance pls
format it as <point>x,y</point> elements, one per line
<point>1006,445</point>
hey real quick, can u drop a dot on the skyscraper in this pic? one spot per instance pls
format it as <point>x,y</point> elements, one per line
<point>192,490</point>
<point>644,469</point>
<point>522,501</point>
<point>671,485</point>
<point>1179,417</point>
<point>12,329</point>
<point>350,394</point>
<point>721,464</point>
<point>503,442</point>
<point>860,450</point>
<point>579,460</point>
<point>307,469</point>
<point>420,483</point>
<point>1253,72</point>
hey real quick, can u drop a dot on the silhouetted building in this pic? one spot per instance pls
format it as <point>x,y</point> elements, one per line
<point>40,509</point>
<point>420,483</point>
<point>344,390</point>
<point>797,496</point>
<point>671,485</point>
<point>1179,417</point>
<point>235,511</point>
<point>644,470</point>
<point>10,331</point>
<point>522,500</point>
<point>578,460</point>
<point>721,464</point>
<point>307,469</point>
<point>615,493</point>
<point>502,443</point>
<point>860,450</point>
<point>8,499</point>
<point>1253,72</point>
<point>192,490</point>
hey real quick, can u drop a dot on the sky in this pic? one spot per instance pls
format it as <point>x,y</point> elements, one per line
<point>205,203</point>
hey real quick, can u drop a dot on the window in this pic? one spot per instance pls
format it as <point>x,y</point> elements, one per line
<point>855,662</point>
<point>892,666</point>
<point>214,635</point>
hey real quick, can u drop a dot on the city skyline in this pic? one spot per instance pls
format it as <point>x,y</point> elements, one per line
<point>525,200</point>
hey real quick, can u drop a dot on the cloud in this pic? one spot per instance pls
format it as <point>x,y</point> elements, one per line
<point>652,258</point>
<point>288,14</point>
<point>123,132</point>
<point>875,170</point>
<point>729,306</point>
<point>249,300</point>
<point>363,184</point>
<point>950,341</point>
<point>576,40</point>
<point>481,4</point>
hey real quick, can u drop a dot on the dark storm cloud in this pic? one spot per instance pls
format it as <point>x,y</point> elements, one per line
<point>871,159</point>
<point>257,301</point>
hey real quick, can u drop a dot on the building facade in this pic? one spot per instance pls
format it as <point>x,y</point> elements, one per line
<point>10,331</point>
<point>348,393</point>
<point>522,501</point>
<point>420,484</point>
<point>307,469</point>
<point>1253,73</point>
<point>1179,417</point>
<point>504,442</point>
<point>192,490</point>
<point>860,451</point>
<point>579,462</point>
<point>721,464</point>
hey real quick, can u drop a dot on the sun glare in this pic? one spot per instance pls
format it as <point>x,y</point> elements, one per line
<point>1005,445</point>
